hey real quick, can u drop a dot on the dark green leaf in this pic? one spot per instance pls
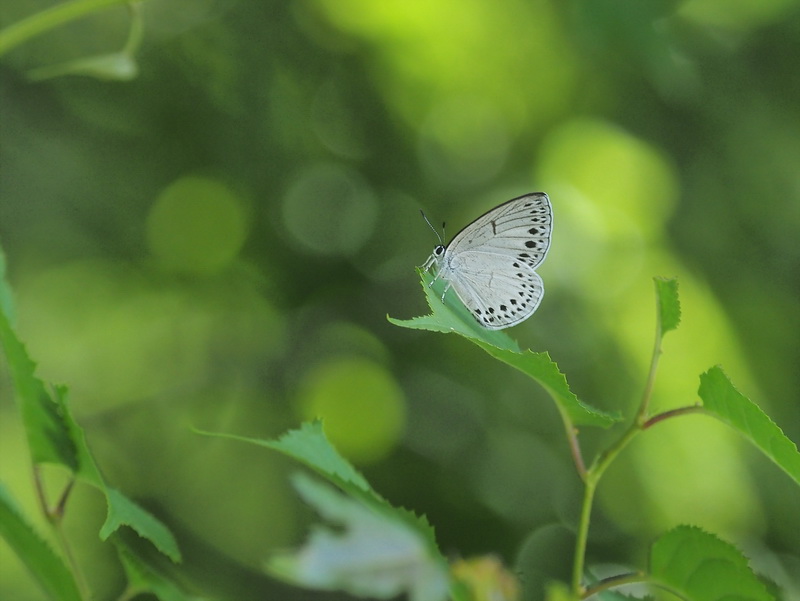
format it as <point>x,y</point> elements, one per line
<point>143,578</point>
<point>701,567</point>
<point>723,401</point>
<point>47,568</point>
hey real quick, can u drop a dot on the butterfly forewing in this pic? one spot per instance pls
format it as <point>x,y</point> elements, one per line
<point>490,263</point>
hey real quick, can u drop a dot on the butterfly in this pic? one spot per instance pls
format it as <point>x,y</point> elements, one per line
<point>490,263</point>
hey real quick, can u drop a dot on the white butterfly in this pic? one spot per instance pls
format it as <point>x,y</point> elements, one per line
<point>490,263</point>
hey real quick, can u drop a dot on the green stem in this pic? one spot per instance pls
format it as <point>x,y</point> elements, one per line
<point>593,475</point>
<point>55,518</point>
<point>43,21</point>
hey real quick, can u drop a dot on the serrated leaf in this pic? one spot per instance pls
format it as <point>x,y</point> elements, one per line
<point>44,564</point>
<point>123,511</point>
<point>669,307</point>
<point>55,437</point>
<point>455,318</point>
<point>370,553</point>
<point>309,445</point>
<point>701,567</point>
<point>46,431</point>
<point>544,370</point>
<point>143,578</point>
<point>452,317</point>
<point>723,401</point>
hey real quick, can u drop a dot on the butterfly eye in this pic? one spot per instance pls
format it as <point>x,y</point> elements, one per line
<point>438,250</point>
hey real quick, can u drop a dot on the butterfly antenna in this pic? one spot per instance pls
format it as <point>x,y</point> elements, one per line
<point>441,241</point>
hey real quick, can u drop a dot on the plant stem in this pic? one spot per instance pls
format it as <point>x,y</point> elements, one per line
<point>38,23</point>
<point>55,517</point>
<point>613,582</point>
<point>672,413</point>
<point>593,475</point>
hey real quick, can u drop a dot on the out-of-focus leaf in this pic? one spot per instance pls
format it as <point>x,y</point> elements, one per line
<point>499,345</point>
<point>48,436</point>
<point>55,437</point>
<point>723,401</point>
<point>669,306</point>
<point>142,578</point>
<point>486,579</point>
<point>370,553</point>
<point>700,567</point>
<point>309,445</point>
<point>46,566</point>
<point>123,511</point>
<point>119,66</point>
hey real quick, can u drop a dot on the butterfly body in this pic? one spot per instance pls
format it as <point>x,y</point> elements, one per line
<point>490,264</point>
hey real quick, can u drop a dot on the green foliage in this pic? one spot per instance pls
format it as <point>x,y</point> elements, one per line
<point>694,564</point>
<point>724,402</point>
<point>699,566</point>
<point>376,551</point>
<point>669,307</point>
<point>453,317</point>
<point>45,565</point>
<point>54,437</point>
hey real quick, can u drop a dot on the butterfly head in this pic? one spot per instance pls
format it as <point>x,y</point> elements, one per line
<point>438,250</point>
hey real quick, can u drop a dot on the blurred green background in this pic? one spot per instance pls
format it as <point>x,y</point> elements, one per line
<point>216,242</point>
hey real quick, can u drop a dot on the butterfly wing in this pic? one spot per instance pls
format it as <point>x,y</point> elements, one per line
<point>520,227</point>
<point>500,298</point>
<point>490,263</point>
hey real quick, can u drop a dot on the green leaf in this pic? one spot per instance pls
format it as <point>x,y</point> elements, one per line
<point>6,298</point>
<point>44,564</point>
<point>723,401</point>
<point>123,511</point>
<point>118,66</point>
<point>143,578</point>
<point>55,437</point>
<point>47,433</point>
<point>311,447</point>
<point>701,567</point>
<point>669,307</point>
<point>544,370</point>
<point>369,553</point>
<point>454,317</point>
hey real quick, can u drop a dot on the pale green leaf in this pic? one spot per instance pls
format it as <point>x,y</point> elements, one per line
<point>368,552</point>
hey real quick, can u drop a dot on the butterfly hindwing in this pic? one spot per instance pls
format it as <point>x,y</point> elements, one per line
<point>490,263</point>
<point>498,299</point>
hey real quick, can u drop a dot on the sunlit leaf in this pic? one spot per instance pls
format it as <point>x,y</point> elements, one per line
<point>368,552</point>
<point>700,567</point>
<point>47,568</point>
<point>669,306</point>
<point>454,317</point>
<point>723,401</point>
